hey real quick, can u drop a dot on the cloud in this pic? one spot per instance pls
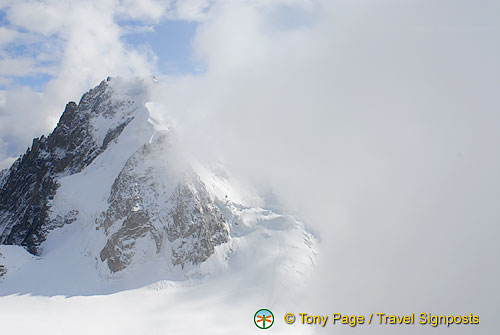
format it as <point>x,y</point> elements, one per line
<point>378,122</point>
<point>189,10</point>
<point>78,44</point>
<point>8,35</point>
<point>147,11</point>
<point>19,66</point>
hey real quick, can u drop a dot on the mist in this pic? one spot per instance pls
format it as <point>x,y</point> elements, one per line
<point>378,122</point>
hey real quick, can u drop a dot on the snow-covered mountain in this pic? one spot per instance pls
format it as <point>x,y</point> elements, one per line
<point>108,201</point>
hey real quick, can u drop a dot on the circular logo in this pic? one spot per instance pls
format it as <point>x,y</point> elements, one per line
<point>289,318</point>
<point>263,318</point>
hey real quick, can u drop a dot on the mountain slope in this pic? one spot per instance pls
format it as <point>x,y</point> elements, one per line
<point>32,181</point>
<point>108,201</point>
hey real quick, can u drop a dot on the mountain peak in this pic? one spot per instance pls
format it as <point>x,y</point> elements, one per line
<point>83,132</point>
<point>114,191</point>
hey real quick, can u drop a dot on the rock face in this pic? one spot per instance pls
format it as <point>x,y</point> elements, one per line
<point>156,204</point>
<point>3,269</point>
<point>111,196</point>
<point>31,182</point>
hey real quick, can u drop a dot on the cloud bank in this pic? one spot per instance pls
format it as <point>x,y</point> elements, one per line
<point>376,120</point>
<point>77,44</point>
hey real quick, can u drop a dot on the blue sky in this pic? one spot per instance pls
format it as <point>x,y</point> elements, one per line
<point>169,40</point>
<point>380,122</point>
<point>52,52</point>
<point>36,37</point>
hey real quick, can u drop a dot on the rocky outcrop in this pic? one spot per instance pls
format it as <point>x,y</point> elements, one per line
<point>196,225</point>
<point>3,269</point>
<point>166,208</point>
<point>128,200</point>
<point>31,182</point>
<point>157,204</point>
<point>3,174</point>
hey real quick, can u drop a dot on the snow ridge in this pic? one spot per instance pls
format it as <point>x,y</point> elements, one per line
<point>108,201</point>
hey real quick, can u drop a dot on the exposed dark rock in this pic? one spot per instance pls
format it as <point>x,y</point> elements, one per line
<point>196,225</point>
<point>31,182</point>
<point>188,218</point>
<point>157,204</point>
<point>3,269</point>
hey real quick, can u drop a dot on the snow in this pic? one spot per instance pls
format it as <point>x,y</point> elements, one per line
<point>209,308</point>
<point>261,272</point>
<point>60,294</point>
<point>68,290</point>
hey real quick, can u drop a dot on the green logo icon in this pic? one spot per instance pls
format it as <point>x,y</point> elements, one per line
<point>263,318</point>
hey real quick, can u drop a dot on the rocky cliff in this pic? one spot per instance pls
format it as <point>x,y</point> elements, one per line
<point>31,182</point>
<point>109,188</point>
<point>147,201</point>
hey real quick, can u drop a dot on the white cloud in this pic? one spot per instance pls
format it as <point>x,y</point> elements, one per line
<point>376,120</point>
<point>19,118</point>
<point>4,81</point>
<point>21,67</point>
<point>144,10</point>
<point>379,122</point>
<point>7,35</point>
<point>189,10</point>
<point>78,44</point>
<point>46,18</point>
<point>6,160</point>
